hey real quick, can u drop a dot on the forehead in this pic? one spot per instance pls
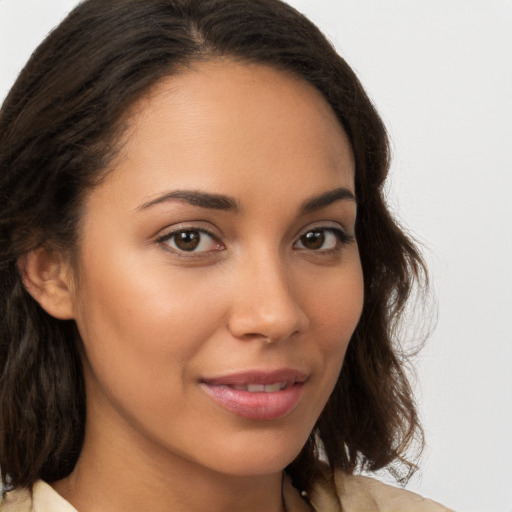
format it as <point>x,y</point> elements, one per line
<point>231,125</point>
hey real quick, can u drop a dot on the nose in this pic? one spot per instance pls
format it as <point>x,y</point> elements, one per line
<point>266,304</point>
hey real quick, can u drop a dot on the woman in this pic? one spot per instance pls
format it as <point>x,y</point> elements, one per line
<point>200,278</point>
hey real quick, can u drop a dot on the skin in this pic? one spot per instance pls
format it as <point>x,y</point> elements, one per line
<point>156,320</point>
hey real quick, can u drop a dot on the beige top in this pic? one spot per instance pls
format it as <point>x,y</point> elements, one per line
<point>356,493</point>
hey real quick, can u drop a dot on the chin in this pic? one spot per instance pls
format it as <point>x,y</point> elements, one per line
<point>261,455</point>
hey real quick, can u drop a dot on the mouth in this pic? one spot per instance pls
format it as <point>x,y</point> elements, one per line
<point>261,388</point>
<point>257,380</point>
<point>257,395</point>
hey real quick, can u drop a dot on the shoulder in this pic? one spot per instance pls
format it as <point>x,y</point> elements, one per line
<point>18,500</point>
<point>357,493</point>
<point>358,490</point>
<point>42,499</point>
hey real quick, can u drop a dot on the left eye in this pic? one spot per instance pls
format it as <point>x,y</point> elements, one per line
<point>321,239</point>
<point>191,240</point>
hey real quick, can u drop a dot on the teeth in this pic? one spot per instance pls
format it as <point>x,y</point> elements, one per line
<point>256,388</point>
<point>262,388</point>
<point>272,388</point>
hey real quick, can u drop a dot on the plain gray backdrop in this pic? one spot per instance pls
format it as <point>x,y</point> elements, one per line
<point>440,73</point>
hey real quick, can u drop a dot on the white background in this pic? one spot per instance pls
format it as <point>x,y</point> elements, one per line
<point>440,73</point>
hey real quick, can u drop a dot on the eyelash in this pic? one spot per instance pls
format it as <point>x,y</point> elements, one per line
<point>166,238</point>
<point>343,238</point>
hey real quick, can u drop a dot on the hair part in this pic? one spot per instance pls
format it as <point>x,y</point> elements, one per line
<point>61,125</point>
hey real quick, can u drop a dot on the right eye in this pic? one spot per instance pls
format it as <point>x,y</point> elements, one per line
<point>191,241</point>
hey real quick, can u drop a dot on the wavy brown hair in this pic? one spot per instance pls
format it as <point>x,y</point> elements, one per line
<point>60,125</point>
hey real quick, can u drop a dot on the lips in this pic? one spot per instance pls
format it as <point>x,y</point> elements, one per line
<point>257,395</point>
<point>262,388</point>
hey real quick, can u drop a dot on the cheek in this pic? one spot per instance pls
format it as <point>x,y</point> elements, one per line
<point>133,294</point>
<point>141,324</point>
<point>142,335</point>
<point>336,306</point>
<point>335,309</point>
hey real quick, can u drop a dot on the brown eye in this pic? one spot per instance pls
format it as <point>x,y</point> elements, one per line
<point>187,240</point>
<point>313,240</point>
<point>191,240</point>
<point>322,239</point>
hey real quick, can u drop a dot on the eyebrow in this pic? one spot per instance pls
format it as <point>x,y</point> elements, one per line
<point>227,203</point>
<point>326,199</point>
<point>197,198</point>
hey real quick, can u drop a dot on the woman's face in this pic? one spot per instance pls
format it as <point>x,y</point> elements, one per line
<point>219,281</point>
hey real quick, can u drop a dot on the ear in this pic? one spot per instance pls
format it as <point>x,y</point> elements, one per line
<point>47,276</point>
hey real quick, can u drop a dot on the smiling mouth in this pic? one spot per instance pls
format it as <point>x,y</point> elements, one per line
<point>259,381</point>
<point>258,395</point>
<point>260,388</point>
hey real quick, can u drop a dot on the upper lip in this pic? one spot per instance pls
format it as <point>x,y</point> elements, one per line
<point>288,375</point>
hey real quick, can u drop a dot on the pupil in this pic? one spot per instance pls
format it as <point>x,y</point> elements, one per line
<point>187,240</point>
<point>313,239</point>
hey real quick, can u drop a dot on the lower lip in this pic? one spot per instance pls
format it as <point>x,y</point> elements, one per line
<point>256,406</point>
